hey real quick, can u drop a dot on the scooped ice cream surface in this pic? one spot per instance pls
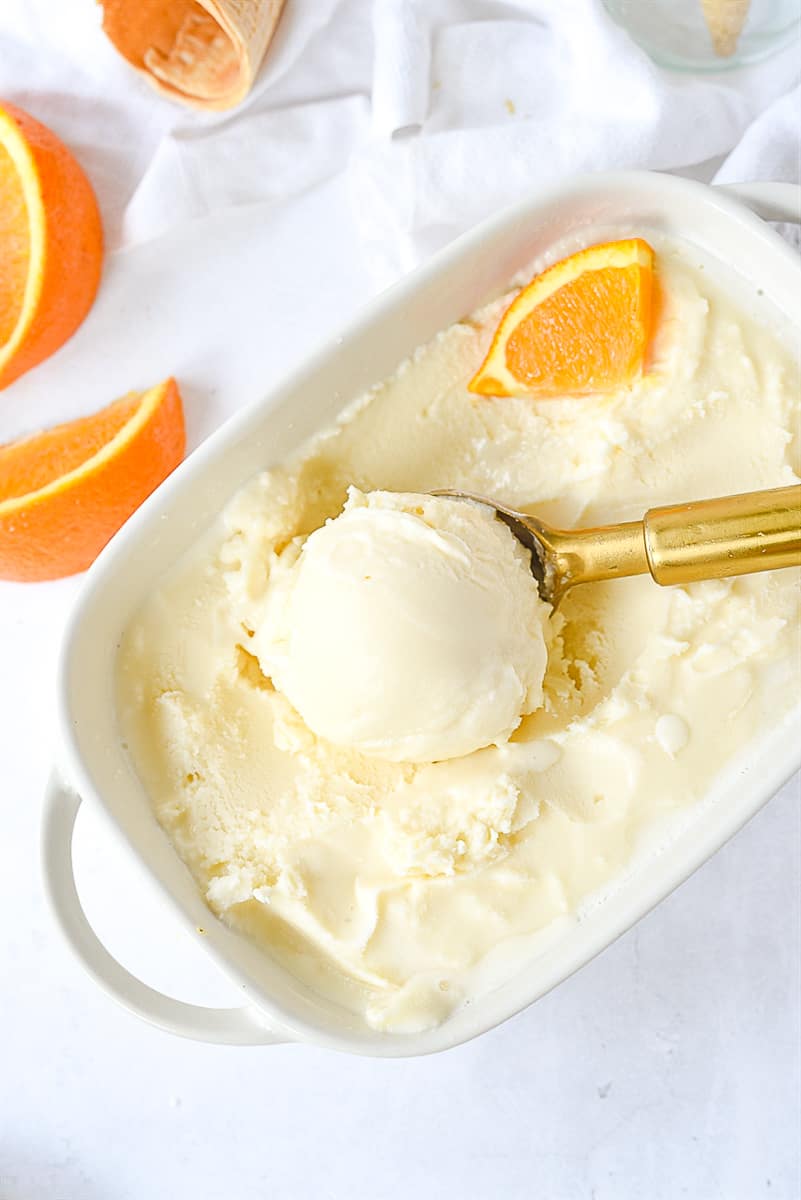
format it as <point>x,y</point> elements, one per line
<point>408,628</point>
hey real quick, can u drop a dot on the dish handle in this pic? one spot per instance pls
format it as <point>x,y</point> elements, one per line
<point>224,1026</point>
<point>771,201</point>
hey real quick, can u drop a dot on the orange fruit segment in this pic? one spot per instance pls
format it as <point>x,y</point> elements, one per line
<point>51,243</point>
<point>65,492</point>
<point>581,326</point>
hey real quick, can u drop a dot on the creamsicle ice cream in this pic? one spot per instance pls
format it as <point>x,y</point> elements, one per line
<point>409,628</point>
<point>378,752</point>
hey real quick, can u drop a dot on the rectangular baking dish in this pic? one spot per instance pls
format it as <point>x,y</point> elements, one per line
<point>92,767</point>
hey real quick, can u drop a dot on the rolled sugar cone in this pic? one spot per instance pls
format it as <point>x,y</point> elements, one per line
<point>725,20</point>
<point>205,53</point>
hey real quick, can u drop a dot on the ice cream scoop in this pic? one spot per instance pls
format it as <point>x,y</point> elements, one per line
<point>682,543</point>
<point>407,628</point>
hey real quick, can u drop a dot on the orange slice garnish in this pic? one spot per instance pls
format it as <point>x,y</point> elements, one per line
<point>64,493</point>
<point>581,326</point>
<point>51,243</point>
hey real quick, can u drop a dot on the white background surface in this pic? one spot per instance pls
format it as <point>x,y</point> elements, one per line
<point>670,1066</point>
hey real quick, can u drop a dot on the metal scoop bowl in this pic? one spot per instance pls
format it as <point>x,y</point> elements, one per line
<point>682,543</point>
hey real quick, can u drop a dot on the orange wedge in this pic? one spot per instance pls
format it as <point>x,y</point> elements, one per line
<point>581,326</point>
<point>64,493</point>
<point>51,243</point>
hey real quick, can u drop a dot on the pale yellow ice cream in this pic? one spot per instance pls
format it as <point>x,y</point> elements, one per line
<point>408,628</point>
<point>402,888</point>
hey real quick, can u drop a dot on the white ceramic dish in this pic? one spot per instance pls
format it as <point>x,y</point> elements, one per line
<point>92,766</point>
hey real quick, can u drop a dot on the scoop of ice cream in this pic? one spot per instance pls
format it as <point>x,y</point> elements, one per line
<point>408,628</point>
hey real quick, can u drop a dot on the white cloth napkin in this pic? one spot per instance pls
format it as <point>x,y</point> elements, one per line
<point>468,104</point>
<point>438,111</point>
<point>522,93</point>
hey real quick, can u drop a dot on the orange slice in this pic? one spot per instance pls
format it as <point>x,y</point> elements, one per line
<point>51,243</point>
<point>581,326</point>
<point>64,493</point>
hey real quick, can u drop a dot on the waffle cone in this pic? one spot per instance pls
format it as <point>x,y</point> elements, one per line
<point>205,53</point>
<point>725,20</point>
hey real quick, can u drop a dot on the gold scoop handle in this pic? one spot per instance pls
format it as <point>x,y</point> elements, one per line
<point>709,539</point>
<point>735,535</point>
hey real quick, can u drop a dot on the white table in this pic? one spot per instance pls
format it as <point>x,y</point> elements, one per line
<point>668,1068</point>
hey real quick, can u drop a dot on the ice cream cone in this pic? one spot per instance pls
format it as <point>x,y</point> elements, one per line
<point>205,53</point>
<point>725,20</point>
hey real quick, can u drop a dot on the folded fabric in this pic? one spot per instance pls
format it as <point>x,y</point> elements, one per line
<point>770,148</point>
<point>520,94</point>
<point>431,113</point>
<point>205,53</point>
